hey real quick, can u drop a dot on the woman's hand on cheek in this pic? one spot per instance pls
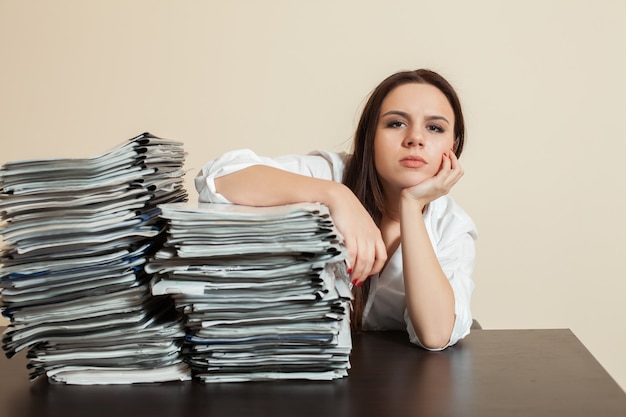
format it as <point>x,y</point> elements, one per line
<point>450,172</point>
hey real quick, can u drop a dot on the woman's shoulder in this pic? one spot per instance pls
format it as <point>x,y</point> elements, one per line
<point>335,162</point>
<point>338,158</point>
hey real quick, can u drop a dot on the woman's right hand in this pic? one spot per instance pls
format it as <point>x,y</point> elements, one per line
<point>367,253</point>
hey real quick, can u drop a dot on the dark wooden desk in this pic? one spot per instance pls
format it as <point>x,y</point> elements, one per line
<point>490,373</point>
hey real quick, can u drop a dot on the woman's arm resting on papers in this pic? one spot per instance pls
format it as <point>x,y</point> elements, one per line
<point>261,185</point>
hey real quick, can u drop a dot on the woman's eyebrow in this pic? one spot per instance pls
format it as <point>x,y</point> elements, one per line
<point>408,116</point>
<point>437,117</point>
<point>397,113</point>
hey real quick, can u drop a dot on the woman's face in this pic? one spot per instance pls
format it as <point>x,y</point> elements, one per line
<point>415,128</point>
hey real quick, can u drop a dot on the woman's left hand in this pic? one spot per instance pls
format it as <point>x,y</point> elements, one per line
<point>448,175</point>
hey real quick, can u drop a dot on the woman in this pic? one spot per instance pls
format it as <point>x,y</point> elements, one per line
<point>411,248</point>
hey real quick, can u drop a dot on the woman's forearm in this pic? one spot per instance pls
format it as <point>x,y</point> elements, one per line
<point>429,296</point>
<point>260,185</point>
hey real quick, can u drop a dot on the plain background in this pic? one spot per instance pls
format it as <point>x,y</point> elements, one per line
<point>542,83</point>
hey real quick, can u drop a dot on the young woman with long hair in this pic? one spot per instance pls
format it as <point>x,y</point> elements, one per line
<point>411,248</point>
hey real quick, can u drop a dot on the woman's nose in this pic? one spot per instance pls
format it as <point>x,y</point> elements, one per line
<point>415,137</point>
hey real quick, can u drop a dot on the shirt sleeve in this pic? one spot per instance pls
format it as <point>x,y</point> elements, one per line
<point>318,164</point>
<point>454,238</point>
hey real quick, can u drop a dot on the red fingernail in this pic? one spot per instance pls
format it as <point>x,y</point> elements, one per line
<point>354,282</point>
<point>358,284</point>
<point>350,271</point>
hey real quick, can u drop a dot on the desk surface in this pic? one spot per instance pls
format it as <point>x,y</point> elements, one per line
<point>490,373</point>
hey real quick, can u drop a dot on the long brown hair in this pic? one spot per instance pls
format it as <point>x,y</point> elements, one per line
<point>360,174</point>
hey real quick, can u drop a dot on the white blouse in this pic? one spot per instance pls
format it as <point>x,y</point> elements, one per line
<point>450,229</point>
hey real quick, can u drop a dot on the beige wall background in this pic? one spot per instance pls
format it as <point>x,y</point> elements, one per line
<point>542,82</point>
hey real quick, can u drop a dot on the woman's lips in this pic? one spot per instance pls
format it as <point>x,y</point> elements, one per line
<point>413,162</point>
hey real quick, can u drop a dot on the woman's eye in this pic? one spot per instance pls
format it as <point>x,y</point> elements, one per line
<point>395,124</point>
<point>436,128</point>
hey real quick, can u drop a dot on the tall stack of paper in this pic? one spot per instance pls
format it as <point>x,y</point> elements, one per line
<point>77,234</point>
<point>264,291</point>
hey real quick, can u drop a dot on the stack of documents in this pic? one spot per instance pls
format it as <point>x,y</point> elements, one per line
<point>77,234</point>
<point>264,290</point>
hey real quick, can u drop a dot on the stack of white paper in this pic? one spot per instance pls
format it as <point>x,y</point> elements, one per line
<point>77,234</point>
<point>264,291</point>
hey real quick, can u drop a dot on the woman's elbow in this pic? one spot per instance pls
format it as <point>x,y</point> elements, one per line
<point>435,341</point>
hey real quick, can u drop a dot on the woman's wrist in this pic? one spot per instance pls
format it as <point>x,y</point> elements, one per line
<point>412,203</point>
<point>332,194</point>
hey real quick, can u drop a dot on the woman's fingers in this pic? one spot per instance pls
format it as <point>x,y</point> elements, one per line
<point>370,259</point>
<point>450,172</point>
<point>362,238</point>
<point>381,257</point>
<point>367,256</point>
<point>456,171</point>
<point>364,262</point>
<point>351,248</point>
